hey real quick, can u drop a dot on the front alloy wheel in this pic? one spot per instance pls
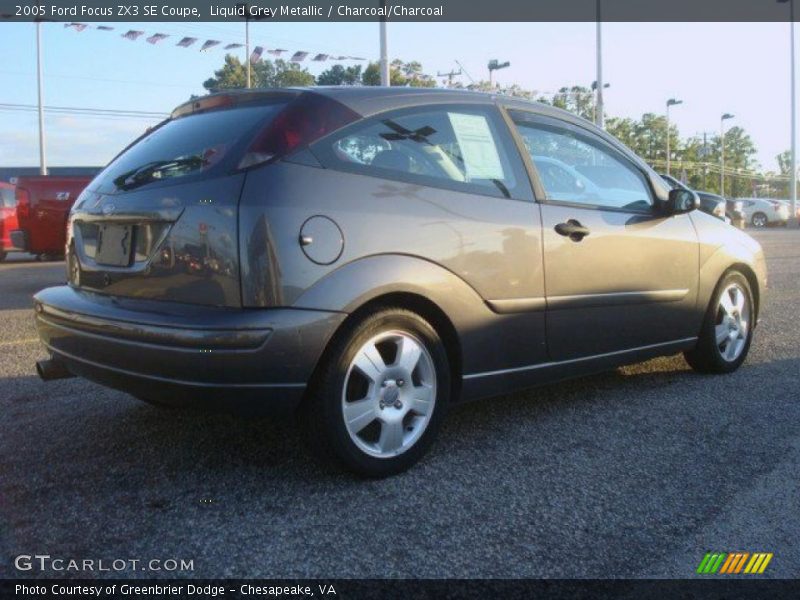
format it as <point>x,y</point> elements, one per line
<point>379,398</point>
<point>727,328</point>
<point>760,220</point>
<point>732,322</point>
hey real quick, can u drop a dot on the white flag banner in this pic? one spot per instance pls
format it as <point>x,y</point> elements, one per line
<point>233,46</point>
<point>76,26</point>
<point>208,44</point>
<point>298,56</point>
<point>157,37</point>
<point>277,51</point>
<point>132,35</point>
<point>256,55</point>
<point>186,42</point>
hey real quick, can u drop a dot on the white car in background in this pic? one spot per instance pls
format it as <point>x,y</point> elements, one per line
<point>760,212</point>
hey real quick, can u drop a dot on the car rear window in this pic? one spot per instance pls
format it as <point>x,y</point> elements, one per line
<point>189,146</point>
<point>7,198</point>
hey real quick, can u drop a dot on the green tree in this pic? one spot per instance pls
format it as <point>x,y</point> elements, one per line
<point>400,74</point>
<point>340,75</point>
<point>576,99</point>
<point>264,74</point>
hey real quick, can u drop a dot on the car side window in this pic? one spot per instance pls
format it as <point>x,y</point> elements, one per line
<point>458,148</point>
<point>576,168</point>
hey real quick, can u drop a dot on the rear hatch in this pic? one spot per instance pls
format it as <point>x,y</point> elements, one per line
<point>160,222</point>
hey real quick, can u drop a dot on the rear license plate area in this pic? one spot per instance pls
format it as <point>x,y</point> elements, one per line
<point>114,245</point>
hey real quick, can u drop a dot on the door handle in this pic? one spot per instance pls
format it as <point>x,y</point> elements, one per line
<point>573,230</point>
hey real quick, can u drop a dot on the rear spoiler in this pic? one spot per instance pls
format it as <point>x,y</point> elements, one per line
<point>232,98</point>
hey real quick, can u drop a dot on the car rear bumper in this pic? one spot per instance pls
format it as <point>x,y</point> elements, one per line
<point>184,354</point>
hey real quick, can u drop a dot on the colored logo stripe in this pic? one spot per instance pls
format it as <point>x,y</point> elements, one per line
<point>734,563</point>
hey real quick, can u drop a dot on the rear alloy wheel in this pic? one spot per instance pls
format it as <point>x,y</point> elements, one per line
<point>727,329</point>
<point>760,220</point>
<point>380,399</point>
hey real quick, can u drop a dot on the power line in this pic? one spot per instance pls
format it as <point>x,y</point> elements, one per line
<point>84,111</point>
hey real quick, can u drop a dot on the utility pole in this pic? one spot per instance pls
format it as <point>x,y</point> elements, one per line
<point>722,120</point>
<point>247,46</point>
<point>793,127</point>
<point>670,102</point>
<point>450,74</point>
<point>599,103</point>
<point>40,93</point>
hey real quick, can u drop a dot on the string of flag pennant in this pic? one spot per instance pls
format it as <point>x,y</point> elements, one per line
<point>187,41</point>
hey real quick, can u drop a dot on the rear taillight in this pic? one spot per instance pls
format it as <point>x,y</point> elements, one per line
<point>23,203</point>
<point>303,121</point>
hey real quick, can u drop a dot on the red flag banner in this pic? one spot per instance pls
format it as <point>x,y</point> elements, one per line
<point>132,35</point>
<point>298,56</point>
<point>208,44</point>
<point>256,55</point>
<point>157,37</point>
<point>76,26</point>
<point>186,42</point>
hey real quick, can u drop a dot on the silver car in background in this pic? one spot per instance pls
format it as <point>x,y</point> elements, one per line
<point>761,212</point>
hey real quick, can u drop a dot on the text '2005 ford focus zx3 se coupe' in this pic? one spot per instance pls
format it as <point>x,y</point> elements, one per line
<point>370,256</point>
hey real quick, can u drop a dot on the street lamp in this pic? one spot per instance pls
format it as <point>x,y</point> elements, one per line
<point>793,172</point>
<point>722,120</point>
<point>670,102</point>
<point>495,65</point>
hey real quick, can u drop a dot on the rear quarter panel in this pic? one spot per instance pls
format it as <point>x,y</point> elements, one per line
<point>456,250</point>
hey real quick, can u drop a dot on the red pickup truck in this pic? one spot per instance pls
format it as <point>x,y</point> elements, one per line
<point>43,204</point>
<point>8,218</point>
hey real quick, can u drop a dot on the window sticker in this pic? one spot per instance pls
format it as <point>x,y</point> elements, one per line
<point>478,149</point>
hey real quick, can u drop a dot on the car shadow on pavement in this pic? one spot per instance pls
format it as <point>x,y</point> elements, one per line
<point>74,415</point>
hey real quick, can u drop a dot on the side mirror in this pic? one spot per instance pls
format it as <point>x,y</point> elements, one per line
<point>682,201</point>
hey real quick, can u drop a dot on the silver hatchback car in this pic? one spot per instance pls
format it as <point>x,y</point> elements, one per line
<point>371,256</point>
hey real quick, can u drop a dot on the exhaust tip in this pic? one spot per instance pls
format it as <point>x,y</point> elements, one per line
<point>52,369</point>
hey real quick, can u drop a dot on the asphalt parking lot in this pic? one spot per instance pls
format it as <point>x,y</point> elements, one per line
<point>633,473</point>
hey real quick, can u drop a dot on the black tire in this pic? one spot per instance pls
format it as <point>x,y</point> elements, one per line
<point>323,410</point>
<point>759,220</point>
<point>706,357</point>
<point>3,255</point>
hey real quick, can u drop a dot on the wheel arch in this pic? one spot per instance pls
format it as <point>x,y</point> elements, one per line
<point>420,305</point>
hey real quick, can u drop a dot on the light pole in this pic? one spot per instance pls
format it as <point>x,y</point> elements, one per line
<point>670,102</point>
<point>793,172</point>
<point>384,63</point>
<point>40,93</point>
<point>598,103</point>
<point>722,120</point>
<point>598,116</point>
<point>495,65</point>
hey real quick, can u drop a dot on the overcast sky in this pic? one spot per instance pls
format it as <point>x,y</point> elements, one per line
<point>739,68</point>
